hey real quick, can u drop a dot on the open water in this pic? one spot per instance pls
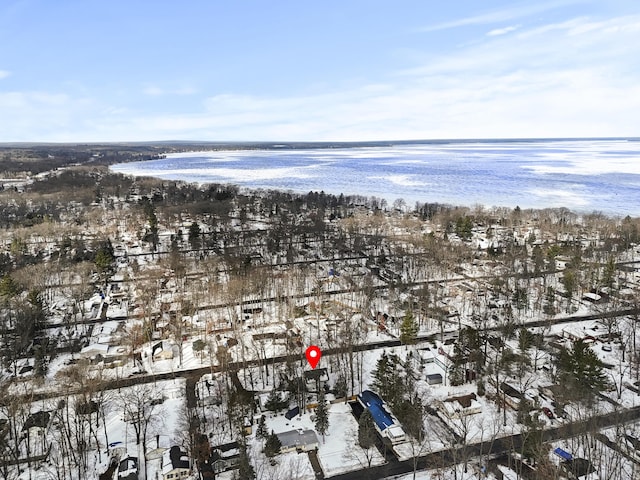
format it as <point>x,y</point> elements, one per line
<point>583,175</point>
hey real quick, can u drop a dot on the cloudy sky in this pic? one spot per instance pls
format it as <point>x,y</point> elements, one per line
<point>218,70</point>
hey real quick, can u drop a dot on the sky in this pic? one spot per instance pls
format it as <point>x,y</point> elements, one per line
<point>359,70</point>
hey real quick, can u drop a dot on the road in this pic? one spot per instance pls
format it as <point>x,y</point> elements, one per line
<point>198,372</point>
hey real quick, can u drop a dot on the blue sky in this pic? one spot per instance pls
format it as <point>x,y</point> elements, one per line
<point>137,70</point>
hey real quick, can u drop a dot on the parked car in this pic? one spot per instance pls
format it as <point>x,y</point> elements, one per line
<point>548,413</point>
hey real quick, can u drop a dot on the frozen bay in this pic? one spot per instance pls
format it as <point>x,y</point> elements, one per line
<point>583,175</point>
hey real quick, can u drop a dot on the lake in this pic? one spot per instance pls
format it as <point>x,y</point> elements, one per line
<point>583,175</point>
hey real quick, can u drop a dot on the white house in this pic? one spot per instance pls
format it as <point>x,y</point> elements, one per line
<point>175,463</point>
<point>460,406</point>
<point>298,440</point>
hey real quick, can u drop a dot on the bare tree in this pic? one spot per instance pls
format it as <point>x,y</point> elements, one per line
<point>141,411</point>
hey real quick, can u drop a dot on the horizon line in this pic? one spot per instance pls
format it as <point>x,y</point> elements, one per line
<point>288,143</point>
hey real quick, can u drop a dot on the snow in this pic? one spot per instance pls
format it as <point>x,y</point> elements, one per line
<point>338,452</point>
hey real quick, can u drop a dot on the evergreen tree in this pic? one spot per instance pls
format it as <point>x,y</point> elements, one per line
<point>538,259</point>
<point>520,298</point>
<point>261,431</point>
<point>340,388</point>
<point>569,282</point>
<point>526,339</point>
<point>392,380</point>
<point>549,307</point>
<point>458,366</point>
<point>245,469</point>
<point>464,225</point>
<point>9,288</point>
<point>382,374</point>
<point>194,235</point>
<point>104,260</point>
<point>408,329</point>
<point>387,379</point>
<point>609,272</point>
<point>411,415</point>
<point>366,430</point>
<point>533,446</point>
<point>274,402</point>
<point>581,370</point>
<point>152,232</point>
<point>322,415</point>
<point>272,446</point>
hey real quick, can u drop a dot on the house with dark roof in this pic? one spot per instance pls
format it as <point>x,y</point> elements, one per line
<point>128,469</point>
<point>35,427</point>
<point>38,421</point>
<point>511,396</point>
<point>225,457</point>
<point>316,379</point>
<point>175,463</point>
<point>386,424</point>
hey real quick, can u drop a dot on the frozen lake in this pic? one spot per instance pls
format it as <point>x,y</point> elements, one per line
<point>583,175</point>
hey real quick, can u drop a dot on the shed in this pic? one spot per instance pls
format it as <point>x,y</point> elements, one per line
<point>563,454</point>
<point>292,413</point>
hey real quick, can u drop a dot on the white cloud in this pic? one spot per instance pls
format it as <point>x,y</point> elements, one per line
<point>4,74</point>
<point>156,91</point>
<point>503,15</point>
<point>153,91</point>
<point>43,116</point>
<point>502,31</point>
<point>572,78</point>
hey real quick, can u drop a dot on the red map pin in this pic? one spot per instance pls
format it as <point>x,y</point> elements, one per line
<point>313,355</point>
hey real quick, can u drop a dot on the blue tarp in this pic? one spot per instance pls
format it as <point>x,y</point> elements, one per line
<point>375,405</point>
<point>561,453</point>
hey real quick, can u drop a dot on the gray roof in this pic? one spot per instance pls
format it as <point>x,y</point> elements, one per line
<point>316,374</point>
<point>295,438</point>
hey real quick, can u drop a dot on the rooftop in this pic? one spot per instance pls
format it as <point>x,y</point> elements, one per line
<point>381,416</point>
<point>175,458</point>
<point>298,438</point>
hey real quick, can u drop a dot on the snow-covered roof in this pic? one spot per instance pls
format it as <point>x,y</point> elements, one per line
<point>175,458</point>
<point>298,438</point>
<point>94,349</point>
<point>128,469</point>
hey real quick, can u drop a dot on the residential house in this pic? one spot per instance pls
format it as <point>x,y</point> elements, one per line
<point>298,440</point>
<point>316,379</point>
<point>37,423</point>
<point>460,406</point>
<point>175,463</point>
<point>128,469</point>
<point>225,457</point>
<point>511,395</point>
